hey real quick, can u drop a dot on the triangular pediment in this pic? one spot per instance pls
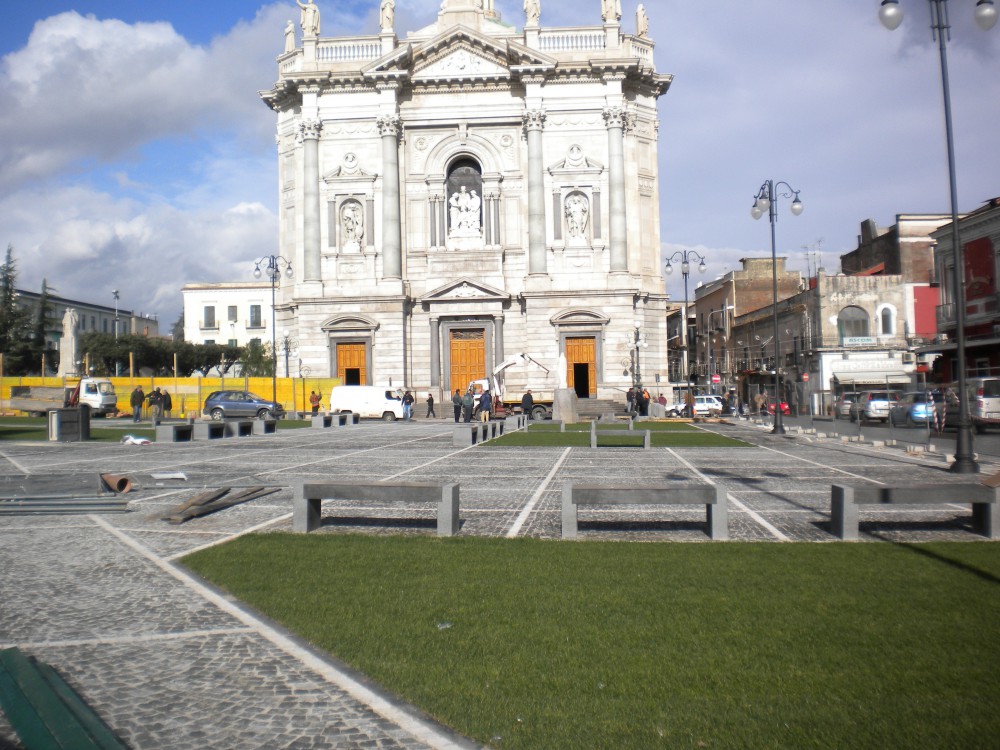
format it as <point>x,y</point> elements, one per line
<point>465,290</point>
<point>460,52</point>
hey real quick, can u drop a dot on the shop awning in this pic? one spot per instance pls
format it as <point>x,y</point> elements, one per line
<point>872,377</point>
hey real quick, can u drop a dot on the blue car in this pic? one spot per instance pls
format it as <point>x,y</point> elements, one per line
<point>914,408</point>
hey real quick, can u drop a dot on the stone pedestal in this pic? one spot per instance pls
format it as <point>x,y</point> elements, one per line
<point>564,406</point>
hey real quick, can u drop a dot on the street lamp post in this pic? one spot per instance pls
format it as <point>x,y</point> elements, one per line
<point>891,15</point>
<point>713,340</point>
<point>685,257</point>
<point>272,267</point>
<point>767,200</point>
<point>636,339</point>
<point>114,293</point>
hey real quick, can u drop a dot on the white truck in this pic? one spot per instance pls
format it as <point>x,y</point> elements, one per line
<point>543,398</point>
<point>37,400</point>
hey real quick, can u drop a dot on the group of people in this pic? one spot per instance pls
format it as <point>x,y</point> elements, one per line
<point>160,403</point>
<point>638,401</point>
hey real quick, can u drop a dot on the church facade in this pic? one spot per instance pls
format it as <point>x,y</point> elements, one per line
<point>469,192</point>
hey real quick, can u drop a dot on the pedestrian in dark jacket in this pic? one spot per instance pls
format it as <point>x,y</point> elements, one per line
<point>468,401</point>
<point>456,401</point>
<point>485,406</point>
<point>527,403</point>
<point>167,403</point>
<point>136,400</point>
<point>430,406</point>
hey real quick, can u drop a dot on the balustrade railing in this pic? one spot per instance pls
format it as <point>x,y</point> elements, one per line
<point>348,50</point>
<point>582,39</point>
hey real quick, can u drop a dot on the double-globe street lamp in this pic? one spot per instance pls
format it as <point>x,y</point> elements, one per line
<point>685,257</point>
<point>636,340</point>
<point>767,200</point>
<point>891,15</point>
<point>272,265</point>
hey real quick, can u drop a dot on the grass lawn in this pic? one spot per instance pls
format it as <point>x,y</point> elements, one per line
<point>662,435</point>
<point>540,644</point>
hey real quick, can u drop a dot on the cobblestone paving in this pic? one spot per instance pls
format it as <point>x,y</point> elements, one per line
<point>170,664</point>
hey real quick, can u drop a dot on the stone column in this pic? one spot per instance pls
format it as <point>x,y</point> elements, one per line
<point>614,118</point>
<point>309,131</point>
<point>435,352</point>
<point>533,121</point>
<point>498,355</point>
<point>392,256</point>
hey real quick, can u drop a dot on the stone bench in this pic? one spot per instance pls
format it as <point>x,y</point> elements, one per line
<point>45,710</point>
<point>209,430</point>
<point>473,433</point>
<point>712,497</point>
<point>845,499</point>
<point>515,422</point>
<point>631,432</point>
<point>238,427</point>
<point>265,426</point>
<point>306,509</point>
<point>340,419</point>
<point>174,433</point>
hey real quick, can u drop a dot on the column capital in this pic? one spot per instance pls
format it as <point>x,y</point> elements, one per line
<point>533,119</point>
<point>388,125</point>
<point>310,130</point>
<point>617,117</point>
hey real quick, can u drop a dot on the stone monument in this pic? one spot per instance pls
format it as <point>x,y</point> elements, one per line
<point>69,343</point>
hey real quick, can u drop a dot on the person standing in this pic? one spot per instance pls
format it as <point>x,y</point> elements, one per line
<point>155,404</point>
<point>136,400</point>
<point>468,402</point>
<point>485,406</point>
<point>527,403</point>
<point>456,401</point>
<point>167,403</point>
<point>430,406</point>
<point>314,401</point>
<point>630,398</point>
<point>407,406</point>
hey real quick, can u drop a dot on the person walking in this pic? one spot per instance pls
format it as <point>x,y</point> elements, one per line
<point>456,401</point>
<point>430,406</point>
<point>314,401</point>
<point>167,403</point>
<point>527,403</point>
<point>136,400</point>
<point>407,406</point>
<point>468,401</point>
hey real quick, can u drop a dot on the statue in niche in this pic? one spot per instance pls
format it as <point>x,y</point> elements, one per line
<point>577,211</point>
<point>310,18</point>
<point>387,11</point>
<point>641,22</point>
<point>289,36</point>
<point>465,212</point>
<point>352,225</point>
<point>532,11</point>
<point>611,10</point>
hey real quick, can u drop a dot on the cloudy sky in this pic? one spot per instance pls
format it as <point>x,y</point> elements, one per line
<point>135,153</point>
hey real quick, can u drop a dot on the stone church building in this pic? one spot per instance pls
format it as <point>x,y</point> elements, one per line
<point>469,192</point>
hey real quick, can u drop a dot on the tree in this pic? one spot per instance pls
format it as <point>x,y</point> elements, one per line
<point>40,329</point>
<point>177,330</point>
<point>257,361</point>
<point>15,321</point>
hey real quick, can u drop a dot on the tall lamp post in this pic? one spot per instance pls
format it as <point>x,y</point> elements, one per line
<point>767,200</point>
<point>114,293</point>
<point>685,257</point>
<point>891,15</point>
<point>272,268</point>
<point>636,339</point>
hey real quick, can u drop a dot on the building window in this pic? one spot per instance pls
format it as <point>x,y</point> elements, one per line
<point>255,318</point>
<point>852,322</point>
<point>232,314</point>
<point>208,320</point>
<point>232,342</point>
<point>105,325</point>
<point>888,327</point>
<point>209,342</point>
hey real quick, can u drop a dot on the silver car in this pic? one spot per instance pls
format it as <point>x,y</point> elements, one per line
<point>873,405</point>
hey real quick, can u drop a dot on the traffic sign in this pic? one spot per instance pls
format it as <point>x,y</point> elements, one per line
<point>716,378</point>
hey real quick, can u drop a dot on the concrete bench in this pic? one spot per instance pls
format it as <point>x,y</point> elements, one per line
<point>209,430</point>
<point>473,433</point>
<point>238,427</point>
<point>341,419</point>
<point>631,432</point>
<point>712,497</point>
<point>265,426</point>
<point>845,499</point>
<point>515,422</point>
<point>174,433</point>
<point>45,710</point>
<point>306,509</point>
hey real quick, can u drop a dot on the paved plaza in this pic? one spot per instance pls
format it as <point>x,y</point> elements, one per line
<point>170,662</point>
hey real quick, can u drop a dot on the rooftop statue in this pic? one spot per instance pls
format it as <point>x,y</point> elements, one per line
<point>532,11</point>
<point>310,18</point>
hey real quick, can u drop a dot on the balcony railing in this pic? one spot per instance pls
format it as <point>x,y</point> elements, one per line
<point>582,39</point>
<point>211,325</point>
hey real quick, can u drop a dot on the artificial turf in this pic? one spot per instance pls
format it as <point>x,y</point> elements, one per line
<point>541,644</point>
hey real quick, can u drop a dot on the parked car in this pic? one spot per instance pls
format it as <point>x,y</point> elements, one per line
<point>842,406</point>
<point>232,404</point>
<point>873,405</point>
<point>916,407</point>
<point>707,405</point>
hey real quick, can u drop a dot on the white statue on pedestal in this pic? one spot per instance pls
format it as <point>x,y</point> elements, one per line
<point>310,18</point>
<point>69,343</point>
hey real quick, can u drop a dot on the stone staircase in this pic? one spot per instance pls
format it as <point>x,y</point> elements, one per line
<point>595,408</point>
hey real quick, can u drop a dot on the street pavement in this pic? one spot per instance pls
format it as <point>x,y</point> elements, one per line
<point>170,662</point>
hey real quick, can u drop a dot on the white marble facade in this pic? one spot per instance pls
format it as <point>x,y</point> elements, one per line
<point>471,191</point>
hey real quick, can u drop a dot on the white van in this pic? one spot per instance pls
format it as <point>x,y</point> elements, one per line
<point>984,402</point>
<point>373,401</point>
